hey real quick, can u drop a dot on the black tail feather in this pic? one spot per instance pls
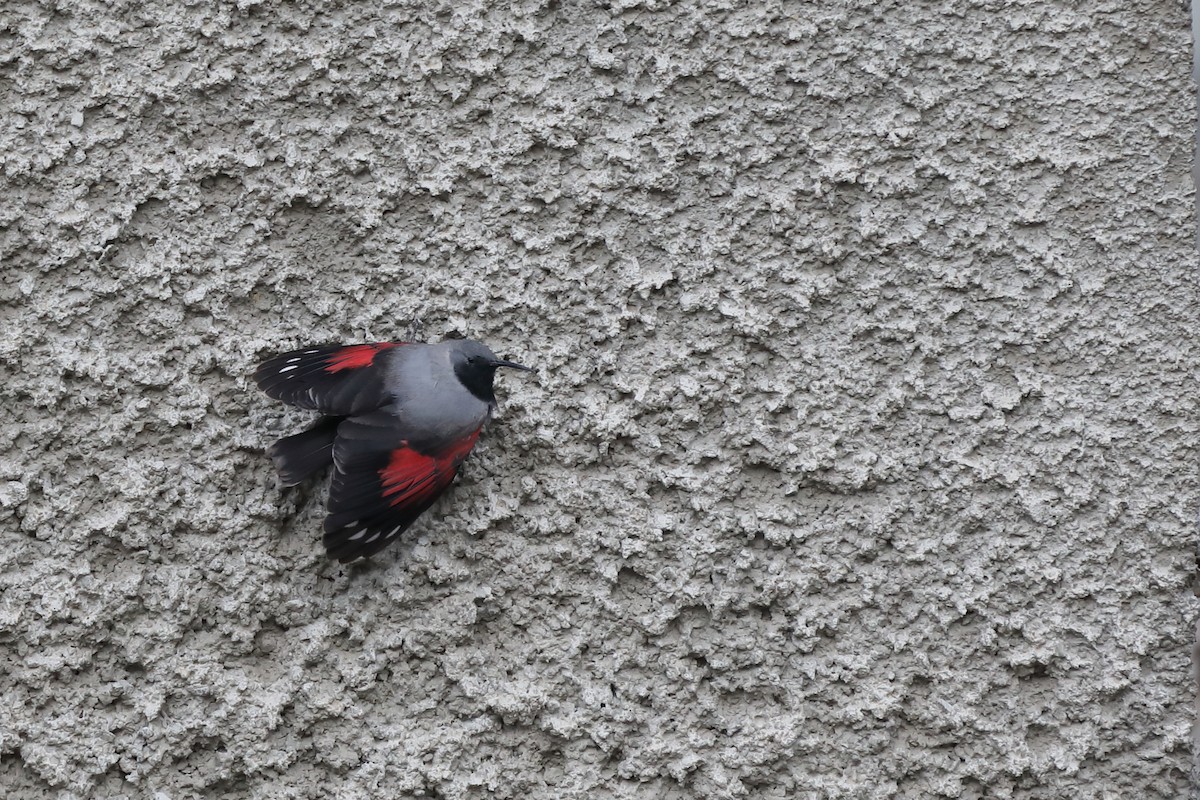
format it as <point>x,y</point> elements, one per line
<point>302,454</point>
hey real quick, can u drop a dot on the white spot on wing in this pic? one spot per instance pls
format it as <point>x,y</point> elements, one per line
<point>393,532</point>
<point>358,535</point>
<point>293,360</point>
<point>373,538</point>
<point>288,369</point>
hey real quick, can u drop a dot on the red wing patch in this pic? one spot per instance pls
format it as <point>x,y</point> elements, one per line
<point>355,356</point>
<point>411,477</point>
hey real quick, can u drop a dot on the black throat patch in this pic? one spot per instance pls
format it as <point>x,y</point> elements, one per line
<point>478,380</point>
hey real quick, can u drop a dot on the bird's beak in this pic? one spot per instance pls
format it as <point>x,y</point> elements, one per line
<point>499,362</point>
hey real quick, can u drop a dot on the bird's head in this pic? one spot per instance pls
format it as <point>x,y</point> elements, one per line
<point>475,367</point>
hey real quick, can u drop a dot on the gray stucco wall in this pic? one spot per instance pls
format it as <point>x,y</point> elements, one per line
<point>861,462</point>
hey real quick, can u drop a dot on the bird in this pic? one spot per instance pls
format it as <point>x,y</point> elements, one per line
<point>398,420</point>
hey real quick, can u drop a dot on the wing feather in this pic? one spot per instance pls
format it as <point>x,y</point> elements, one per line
<point>382,482</point>
<point>334,379</point>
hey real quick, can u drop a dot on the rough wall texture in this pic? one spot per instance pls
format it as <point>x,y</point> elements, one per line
<point>861,462</point>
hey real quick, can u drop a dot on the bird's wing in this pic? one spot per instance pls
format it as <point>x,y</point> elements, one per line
<point>383,480</point>
<point>335,379</point>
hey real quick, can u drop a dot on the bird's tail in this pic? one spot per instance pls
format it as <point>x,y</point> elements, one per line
<point>300,455</point>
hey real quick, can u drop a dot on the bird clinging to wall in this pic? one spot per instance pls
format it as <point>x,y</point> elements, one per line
<point>399,419</point>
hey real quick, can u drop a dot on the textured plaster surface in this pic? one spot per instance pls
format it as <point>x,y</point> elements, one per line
<point>861,462</point>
